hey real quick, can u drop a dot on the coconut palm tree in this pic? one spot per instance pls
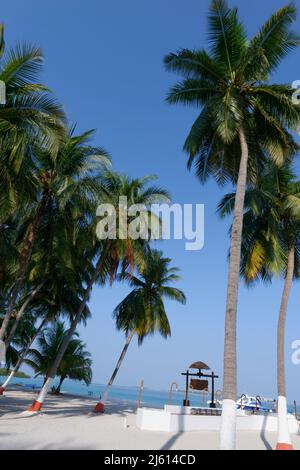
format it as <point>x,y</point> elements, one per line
<point>55,300</point>
<point>271,246</point>
<point>8,257</point>
<point>143,312</point>
<point>20,356</point>
<point>110,252</point>
<point>30,117</point>
<point>243,120</point>
<point>76,362</point>
<point>66,188</point>
<point>25,304</point>
<point>55,261</point>
<point>20,343</point>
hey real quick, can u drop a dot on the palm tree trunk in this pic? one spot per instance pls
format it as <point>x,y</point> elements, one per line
<point>25,256</point>
<point>21,313</point>
<point>99,408</point>
<point>22,357</point>
<point>283,440</point>
<point>57,391</point>
<point>37,404</point>
<point>228,422</point>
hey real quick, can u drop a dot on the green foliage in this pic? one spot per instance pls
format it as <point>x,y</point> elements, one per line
<point>271,223</point>
<point>143,310</point>
<point>19,375</point>
<point>76,362</point>
<point>229,83</point>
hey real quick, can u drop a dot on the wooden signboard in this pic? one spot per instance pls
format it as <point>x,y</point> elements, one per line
<point>201,385</point>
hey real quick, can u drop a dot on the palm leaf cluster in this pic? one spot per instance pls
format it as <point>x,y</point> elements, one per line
<point>271,223</point>
<point>229,83</point>
<point>76,363</point>
<point>143,310</point>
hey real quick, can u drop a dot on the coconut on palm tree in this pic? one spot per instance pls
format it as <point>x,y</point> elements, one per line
<point>109,253</point>
<point>271,247</point>
<point>243,120</point>
<point>143,312</point>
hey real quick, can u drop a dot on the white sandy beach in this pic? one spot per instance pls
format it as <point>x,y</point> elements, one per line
<point>65,423</point>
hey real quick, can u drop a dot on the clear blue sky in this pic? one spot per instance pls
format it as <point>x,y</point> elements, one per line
<point>104,60</point>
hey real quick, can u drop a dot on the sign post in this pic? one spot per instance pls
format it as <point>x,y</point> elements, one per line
<point>199,384</point>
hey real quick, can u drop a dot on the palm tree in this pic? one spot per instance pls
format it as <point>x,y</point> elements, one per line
<point>76,362</point>
<point>55,261</point>
<point>16,357</point>
<point>29,118</point>
<point>108,253</point>
<point>243,120</point>
<point>143,312</point>
<point>25,304</point>
<point>20,343</point>
<point>54,300</point>
<point>66,188</point>
<point>271,246</point>
<point>8,257</point>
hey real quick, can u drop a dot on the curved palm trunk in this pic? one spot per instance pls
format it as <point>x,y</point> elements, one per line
<point>22,357</point>
<point>228,421</point>
<point>57,391</point>
<point>99,408</point>
<point>283,439</point>
<point>37,404</point>
<point>20,314</point>
<point>25,256</point>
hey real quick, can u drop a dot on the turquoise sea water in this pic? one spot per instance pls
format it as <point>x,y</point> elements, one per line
<point>150,397</point>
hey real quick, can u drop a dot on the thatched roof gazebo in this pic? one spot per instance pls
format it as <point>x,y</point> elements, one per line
<point>199,365</point>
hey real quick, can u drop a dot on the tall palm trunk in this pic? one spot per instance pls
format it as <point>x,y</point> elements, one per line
<point>99,408</point>
<point>24,259</point>
<point>283,439</point>
<point>22,357</point>
<point>21,312</point>
<point>228,422</point>
<point>37,404</point>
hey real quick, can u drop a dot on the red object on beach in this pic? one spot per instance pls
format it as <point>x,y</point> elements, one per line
<point>281,446</point>
<point>99,408</point>
<point>2,390</point>
<point>36,406</point>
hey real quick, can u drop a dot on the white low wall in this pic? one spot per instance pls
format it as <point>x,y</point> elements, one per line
<point>153,420</point>
<point>161,420</point>
<point>265,423</point>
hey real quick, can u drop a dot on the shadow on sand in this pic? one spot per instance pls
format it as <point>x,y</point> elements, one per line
<point>58,406</point>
